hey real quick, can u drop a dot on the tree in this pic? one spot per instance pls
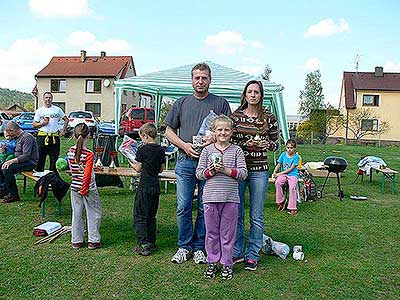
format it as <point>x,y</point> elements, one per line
<point>165,108</point>
<point>311,98</point>
<point>266,75</point>
<point>365,121</point>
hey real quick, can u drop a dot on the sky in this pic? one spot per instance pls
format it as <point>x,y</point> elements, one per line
<point>292,37</point>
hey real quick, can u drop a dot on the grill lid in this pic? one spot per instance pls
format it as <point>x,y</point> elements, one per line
<point>335,164</point>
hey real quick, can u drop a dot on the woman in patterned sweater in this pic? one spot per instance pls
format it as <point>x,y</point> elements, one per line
<point>256,132</point>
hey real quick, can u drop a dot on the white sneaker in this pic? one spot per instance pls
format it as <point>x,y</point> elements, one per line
<point>180,256</point>
<point>199,257</point>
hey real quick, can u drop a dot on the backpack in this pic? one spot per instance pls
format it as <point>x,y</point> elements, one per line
<point>310,186</point>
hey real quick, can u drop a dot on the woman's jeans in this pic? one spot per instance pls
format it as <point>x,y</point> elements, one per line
<point>189,238</point>
<point>258,184</point>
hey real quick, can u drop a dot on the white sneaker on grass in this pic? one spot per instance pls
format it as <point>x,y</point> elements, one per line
<point>180,256</point>
<point>199,257</point>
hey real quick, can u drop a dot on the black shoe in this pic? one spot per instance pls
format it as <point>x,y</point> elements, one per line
<point>11,198</point>
<point>226,273</point>
<point>211,271</point>
<point>251,265</point>
<point>3,193</point>
<point>237,260</point>
<point>143,249</point>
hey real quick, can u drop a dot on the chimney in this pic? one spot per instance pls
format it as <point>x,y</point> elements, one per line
<point>83,55</point>
<point>102,54</point>
<point>378,72</point>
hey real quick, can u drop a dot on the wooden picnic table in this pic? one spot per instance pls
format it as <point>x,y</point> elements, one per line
<point>387,173</point>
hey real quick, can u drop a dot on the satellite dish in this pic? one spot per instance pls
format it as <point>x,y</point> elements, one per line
<point>106,82</point>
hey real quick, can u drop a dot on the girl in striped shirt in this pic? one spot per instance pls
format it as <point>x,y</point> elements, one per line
<point>84,193</point>
<point>222,165</point>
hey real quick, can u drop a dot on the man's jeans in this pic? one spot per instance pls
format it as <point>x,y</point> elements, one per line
<point>258,184</point>
<point>7,176</point>
<point>185,185</point>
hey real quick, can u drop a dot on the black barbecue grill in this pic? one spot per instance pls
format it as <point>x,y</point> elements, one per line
<point>334,165</point>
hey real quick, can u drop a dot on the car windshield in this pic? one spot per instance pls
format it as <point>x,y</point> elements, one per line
<point>80,114</point>
<point>137,114</point>
<point>28,117</point>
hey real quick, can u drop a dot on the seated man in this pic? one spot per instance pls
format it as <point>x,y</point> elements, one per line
<point>26,158</point>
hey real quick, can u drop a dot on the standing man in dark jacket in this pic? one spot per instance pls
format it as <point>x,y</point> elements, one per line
<point>26,158</point>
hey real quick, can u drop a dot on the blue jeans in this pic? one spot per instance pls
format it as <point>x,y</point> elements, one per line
<point>189,238</point>
<point>7,176</point>
<point>258,184</point>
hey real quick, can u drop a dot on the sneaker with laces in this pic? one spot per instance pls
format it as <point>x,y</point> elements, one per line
<point>210,271</point>
<point>93,246</point>
<point>143,249</point>
<point>281,206</point>
<point>10,198</point>
<point>251,265</point>
<point>226,273</point>
<point>237,260</point>
<point>180,256</point>
<point>199,257</point>
<point>77,245</point>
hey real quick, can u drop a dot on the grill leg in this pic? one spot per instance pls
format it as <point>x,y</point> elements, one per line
<point>341,194</point>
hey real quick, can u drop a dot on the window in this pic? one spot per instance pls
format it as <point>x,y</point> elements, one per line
<point>137,114</point>
<point>60,105</point>
<point>150,115</point>
<point>58,85</point>
<point>95,108</point>
<point>369,125</point>
<point>370,100</point>
<point>93,86</point>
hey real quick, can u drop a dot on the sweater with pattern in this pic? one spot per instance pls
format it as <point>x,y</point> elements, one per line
<point>247,128</point>
<point>220,187</point>
<point>83,178</point>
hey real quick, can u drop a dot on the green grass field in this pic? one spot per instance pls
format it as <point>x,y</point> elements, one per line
<point>351,247</point>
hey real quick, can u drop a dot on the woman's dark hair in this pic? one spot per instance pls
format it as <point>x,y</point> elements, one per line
<point>81,132</point>
<point>243,101</point>
<point>291,142</point>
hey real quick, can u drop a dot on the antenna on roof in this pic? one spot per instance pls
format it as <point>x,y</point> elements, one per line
<point>357,62</point>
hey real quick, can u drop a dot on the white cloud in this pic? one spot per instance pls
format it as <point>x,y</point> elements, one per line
<point>252,70</point>
<point>22,60</point>
<point>230,42</point>
<point>251,60</point>
<point>60,8</point>
<point>88,41</point>
<point>391,66</point>
<point>78,38</point>
<point>327,28</point>
<point>312,64</point>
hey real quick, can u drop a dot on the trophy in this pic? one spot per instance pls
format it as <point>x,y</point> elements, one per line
<point>99,165</point>
<point>113,155</point>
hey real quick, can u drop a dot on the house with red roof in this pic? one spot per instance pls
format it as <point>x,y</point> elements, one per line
<point>86,83</point>
<point>379,94</point>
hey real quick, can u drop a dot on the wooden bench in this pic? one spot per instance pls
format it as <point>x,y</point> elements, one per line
<point>387,173</point>
<point>29,174</point>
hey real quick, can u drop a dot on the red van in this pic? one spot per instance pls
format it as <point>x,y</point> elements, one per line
<point>133,118</point>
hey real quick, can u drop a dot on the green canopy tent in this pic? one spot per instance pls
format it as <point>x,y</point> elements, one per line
<point>175,83</point>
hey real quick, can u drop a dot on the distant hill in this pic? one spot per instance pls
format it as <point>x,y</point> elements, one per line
<point>10,97</point>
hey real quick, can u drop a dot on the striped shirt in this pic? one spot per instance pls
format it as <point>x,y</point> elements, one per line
<point>246,128</point>
<point>220,187</point>
<point>83,178</point>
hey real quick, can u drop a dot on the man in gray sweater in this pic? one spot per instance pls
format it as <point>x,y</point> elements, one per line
<point>26,158</point>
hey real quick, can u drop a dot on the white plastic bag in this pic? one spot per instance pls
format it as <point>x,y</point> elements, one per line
<point>206,124</point>
<point>274,248</point>
<point>128,148</point>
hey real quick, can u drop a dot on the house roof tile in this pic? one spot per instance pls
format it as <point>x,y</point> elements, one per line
<point>71,66</point>
<point>368,81</point>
